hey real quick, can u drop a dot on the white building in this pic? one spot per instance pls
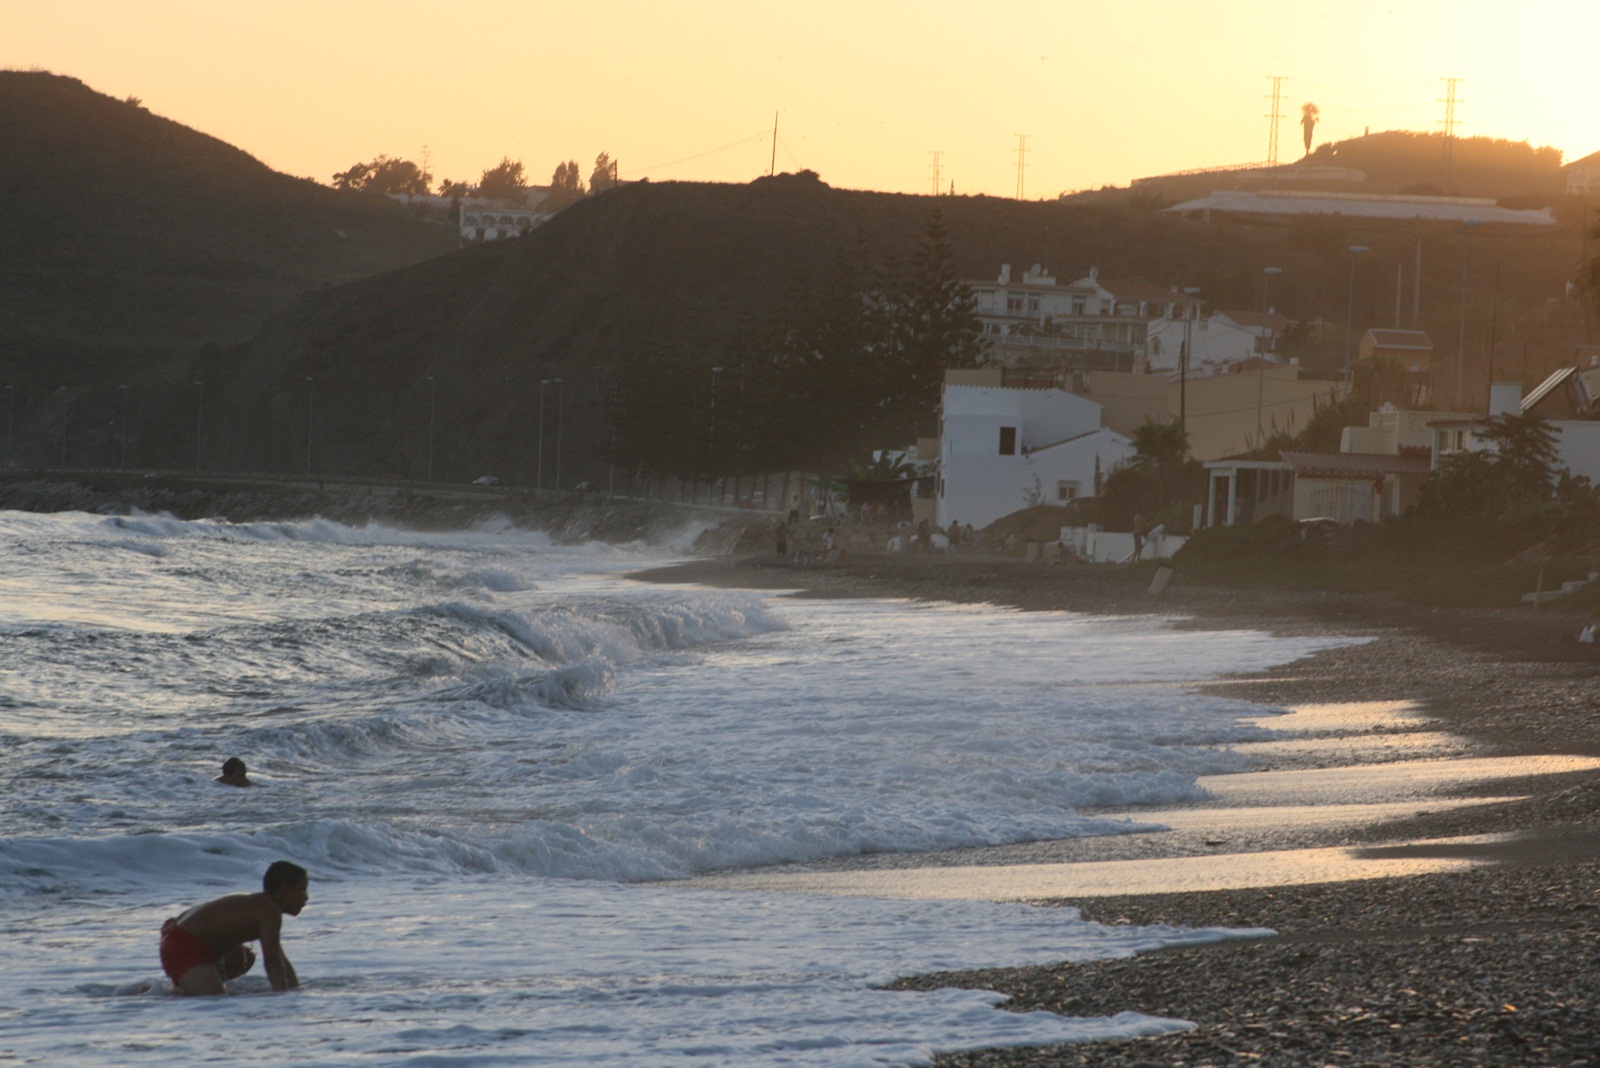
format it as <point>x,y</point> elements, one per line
<point>1002,450</point>
<point>1089,316</point>
<point>1216,340</point>
<point>484,219</point>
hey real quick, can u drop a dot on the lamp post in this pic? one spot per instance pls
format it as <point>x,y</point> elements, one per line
<point>1189,315</point>
<point>1267,274</point>
<point>711,440</point>
<point>1350,312</point>
<point>311,417</point>
<point>430,429</point>
<point>11,422</point>
<point>539,478</point>
<point>199,417</point>
<point>123,390</point>
<point>1467,227</point>
<point>63,426</point>
<point>557,383</point>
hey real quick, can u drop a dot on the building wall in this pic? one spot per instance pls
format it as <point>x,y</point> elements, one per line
<point>979,489</point>
<point>1212,340</point>
<point>1578,448</point>
<point>978,483</point>
<point>1127,400</point>
<point>1222,408</point>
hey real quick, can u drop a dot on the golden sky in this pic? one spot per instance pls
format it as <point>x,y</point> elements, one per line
<point>865,91</point>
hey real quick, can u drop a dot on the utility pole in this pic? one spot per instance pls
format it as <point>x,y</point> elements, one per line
<point>1022,161</point>
<point>935,156</point>
<point>1276,113</point>
<point>1449,101</point>
<point>772,167</point>
<point>311,417</point>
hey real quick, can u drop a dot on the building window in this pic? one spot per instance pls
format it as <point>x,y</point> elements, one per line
<point>1066,491</point>
<point>1008,441</point>
<point>1014,302</point>
<point>1077,307</point>
<point>1033,304</point>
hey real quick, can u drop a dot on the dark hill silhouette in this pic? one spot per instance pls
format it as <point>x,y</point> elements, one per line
<point>129,240</point>
<point>1395,161</point>
<point>692,269</point>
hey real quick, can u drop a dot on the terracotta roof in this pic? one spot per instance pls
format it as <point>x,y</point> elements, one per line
<point>1355,465</point>
<point>1401,339</point>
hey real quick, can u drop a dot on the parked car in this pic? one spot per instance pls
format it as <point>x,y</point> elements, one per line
<point>486,480</point>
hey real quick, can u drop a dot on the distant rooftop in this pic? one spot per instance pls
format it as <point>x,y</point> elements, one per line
<point>1365,206</point>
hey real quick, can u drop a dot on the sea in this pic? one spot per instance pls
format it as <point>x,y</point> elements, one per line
<point>498,757</point>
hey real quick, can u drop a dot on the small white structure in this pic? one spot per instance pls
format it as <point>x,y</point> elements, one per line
<point>484,219</point>
<point>1216,340</point>
<point>1003,449</point>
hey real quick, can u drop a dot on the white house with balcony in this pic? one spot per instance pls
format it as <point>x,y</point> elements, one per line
<point>1106,322</point>
<point>1004,449</point>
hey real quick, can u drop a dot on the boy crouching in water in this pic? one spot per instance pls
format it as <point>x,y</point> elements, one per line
<point>204,947</point>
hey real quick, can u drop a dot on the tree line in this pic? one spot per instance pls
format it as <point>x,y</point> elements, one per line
<point>853,361</point>
<point>506,180</point>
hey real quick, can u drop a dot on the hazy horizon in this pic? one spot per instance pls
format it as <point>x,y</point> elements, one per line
<point>863,94</point>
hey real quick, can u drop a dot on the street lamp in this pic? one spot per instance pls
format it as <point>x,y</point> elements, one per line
<point>123,389</point>
<point>711,441</point>
<point>430,429</point>
<point>63,426</point>
<point>1467,226</point>
<point>1189,314</point>
<point>11,422</point>
<point>199,417</point>
<point>1267,274</point>
<point>311,417</point>
<point>539,479</point>
<point>1350,312</point>
<point>557,383</point>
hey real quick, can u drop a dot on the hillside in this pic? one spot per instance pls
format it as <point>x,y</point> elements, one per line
<point>128,241</point>
<point>1392,161</point>
<point>592,295</point>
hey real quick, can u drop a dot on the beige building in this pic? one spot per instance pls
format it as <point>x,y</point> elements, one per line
<point>1411,349</point>
<point>1377,473</point>
<point>1226,413</point>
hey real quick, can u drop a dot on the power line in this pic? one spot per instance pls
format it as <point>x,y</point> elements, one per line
<point>702,155</point>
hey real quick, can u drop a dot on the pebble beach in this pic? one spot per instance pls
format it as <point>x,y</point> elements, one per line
<point>1492,964</point>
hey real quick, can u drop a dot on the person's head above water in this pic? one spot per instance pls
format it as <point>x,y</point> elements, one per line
<point>234,773</point>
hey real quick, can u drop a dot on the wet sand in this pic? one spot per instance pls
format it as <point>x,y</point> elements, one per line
<point>1426,845</point>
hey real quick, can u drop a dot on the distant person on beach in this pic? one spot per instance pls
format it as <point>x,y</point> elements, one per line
<point>233,773</point>
<point>203,948</point>
<point>1141,531</point>
<point>780,537</point>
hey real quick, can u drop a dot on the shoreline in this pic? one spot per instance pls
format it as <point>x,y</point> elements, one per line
<point>1491,965</point>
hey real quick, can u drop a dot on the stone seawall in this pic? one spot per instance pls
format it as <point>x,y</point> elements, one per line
<point>570,518</point>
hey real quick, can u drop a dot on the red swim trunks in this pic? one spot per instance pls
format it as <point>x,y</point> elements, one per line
<point>181,951</point>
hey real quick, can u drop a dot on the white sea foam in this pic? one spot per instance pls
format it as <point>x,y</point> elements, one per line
<point>513,735</point>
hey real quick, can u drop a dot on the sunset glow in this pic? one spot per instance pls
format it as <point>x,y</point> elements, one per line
<point>863,93</point>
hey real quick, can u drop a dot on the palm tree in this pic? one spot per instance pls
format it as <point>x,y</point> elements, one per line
<point>1308,122</point>
<point>1161,447</point>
